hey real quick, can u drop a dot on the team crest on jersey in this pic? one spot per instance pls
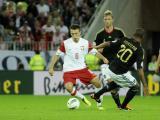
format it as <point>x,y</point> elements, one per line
<point>82,48</point>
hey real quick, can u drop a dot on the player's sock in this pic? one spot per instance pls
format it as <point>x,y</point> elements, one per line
<point>108,87</point>
<point>99,104</point>
<point>77,93</point>
<point>129,96</point>
<point>115,96</point>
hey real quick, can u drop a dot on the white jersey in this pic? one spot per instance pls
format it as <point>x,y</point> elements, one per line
<point>74,54</point>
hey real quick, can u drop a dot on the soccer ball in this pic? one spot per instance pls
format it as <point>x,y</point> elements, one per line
<point>73,103</point>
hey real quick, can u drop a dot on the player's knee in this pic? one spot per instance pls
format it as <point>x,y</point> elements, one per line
<point>96,82</point>
<point>115,91</point>
<point>98,85</point>
<point>135,88</point>
<point>69,87</point>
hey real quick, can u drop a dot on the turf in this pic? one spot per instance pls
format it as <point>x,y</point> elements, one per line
<point>54,108</point>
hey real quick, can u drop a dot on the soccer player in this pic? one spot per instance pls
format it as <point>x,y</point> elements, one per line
<point>74,50</point>
<point>130,51</point>
<point>158,62</point>
<point>109,33</point>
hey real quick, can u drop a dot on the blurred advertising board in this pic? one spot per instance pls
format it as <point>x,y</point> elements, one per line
<point>44,84</point>
<point>16,82</point>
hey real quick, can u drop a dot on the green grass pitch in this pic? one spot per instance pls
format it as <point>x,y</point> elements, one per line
<point>25,107</point>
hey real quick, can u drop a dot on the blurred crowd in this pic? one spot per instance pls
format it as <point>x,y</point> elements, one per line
<point>41,24</point>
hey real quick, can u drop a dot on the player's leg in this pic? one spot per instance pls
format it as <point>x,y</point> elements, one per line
<point>99,105</point>
<point>106,78</point>
<point>72,90</point>
<point>70,81</point>
<point>128,80</point>
<point>115,96</point>
<point>133,85</point>
<point>95,81</point>
<point>108,87</point>
<point>129,96</point>
<point>103,83</point>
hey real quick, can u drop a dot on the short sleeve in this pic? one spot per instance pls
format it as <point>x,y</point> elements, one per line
<point>61,50</point>
<point>89,46</point>
<point>62,47</point>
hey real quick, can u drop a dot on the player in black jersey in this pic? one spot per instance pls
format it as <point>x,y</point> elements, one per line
<point>129,52</point>
<point>109,33</point>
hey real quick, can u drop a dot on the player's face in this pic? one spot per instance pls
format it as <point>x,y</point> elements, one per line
<point>108,21</point>
<point>75,33</point>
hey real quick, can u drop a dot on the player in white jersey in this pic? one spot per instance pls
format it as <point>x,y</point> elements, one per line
<point>74,50</point>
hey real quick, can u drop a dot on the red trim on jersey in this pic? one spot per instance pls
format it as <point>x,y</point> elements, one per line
<point>62,47</point>
<point>84,75</point>
<point>89,46</point>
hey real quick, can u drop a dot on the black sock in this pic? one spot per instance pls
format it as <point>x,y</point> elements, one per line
<point>115,96</point>
<point>108,87</point>
<point>100,92</point>
<point>129,96</point>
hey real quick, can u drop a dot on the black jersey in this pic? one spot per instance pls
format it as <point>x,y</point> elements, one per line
<point>103,36</point>
<point>129,52</point>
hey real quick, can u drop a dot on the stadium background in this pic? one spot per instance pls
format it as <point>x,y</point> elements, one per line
<point>128,15</point>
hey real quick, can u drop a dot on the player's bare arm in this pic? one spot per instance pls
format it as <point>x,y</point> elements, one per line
<point>102,45</point>
<point>158,63</point>
<point>142,78</point>
<point>99,55</point>
<point>53,61</point>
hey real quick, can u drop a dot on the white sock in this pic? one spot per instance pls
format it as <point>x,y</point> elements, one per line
<point>97,89</point>
<point>77,93</point>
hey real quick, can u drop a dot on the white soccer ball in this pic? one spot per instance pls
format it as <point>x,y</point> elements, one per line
<point>73,103</point>
<point>156,78</point>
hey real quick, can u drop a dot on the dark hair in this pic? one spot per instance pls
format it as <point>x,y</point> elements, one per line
<point>139,32</point>
<point>37,51</point>
<point>75,26</point>
<point>20,66</point>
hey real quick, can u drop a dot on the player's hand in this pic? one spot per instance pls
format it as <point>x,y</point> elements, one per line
<point>105,60</point>
<point>51,71</point>
<point>146,92</point>
<point>157,70</point>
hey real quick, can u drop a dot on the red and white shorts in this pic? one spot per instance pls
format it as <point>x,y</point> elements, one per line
<point>84,75</point>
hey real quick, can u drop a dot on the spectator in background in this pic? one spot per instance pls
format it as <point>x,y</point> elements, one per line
<point>26,34</point>
<point>32,8</point>
<point>64,30</point>
<point>2,43</point>
<point>38,37</point>
<point>43,8</point>
<point>14,13</point>
<point>152,65</point>
<point>158,62</point>
<point>76,18</point>
<point>1,30</point>
<point>58,37</point>
<point>49,31</point>
<point>37,62</point>
<point>20,66</point>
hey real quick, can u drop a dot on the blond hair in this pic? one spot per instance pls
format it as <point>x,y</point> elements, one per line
<point>108,12</point>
